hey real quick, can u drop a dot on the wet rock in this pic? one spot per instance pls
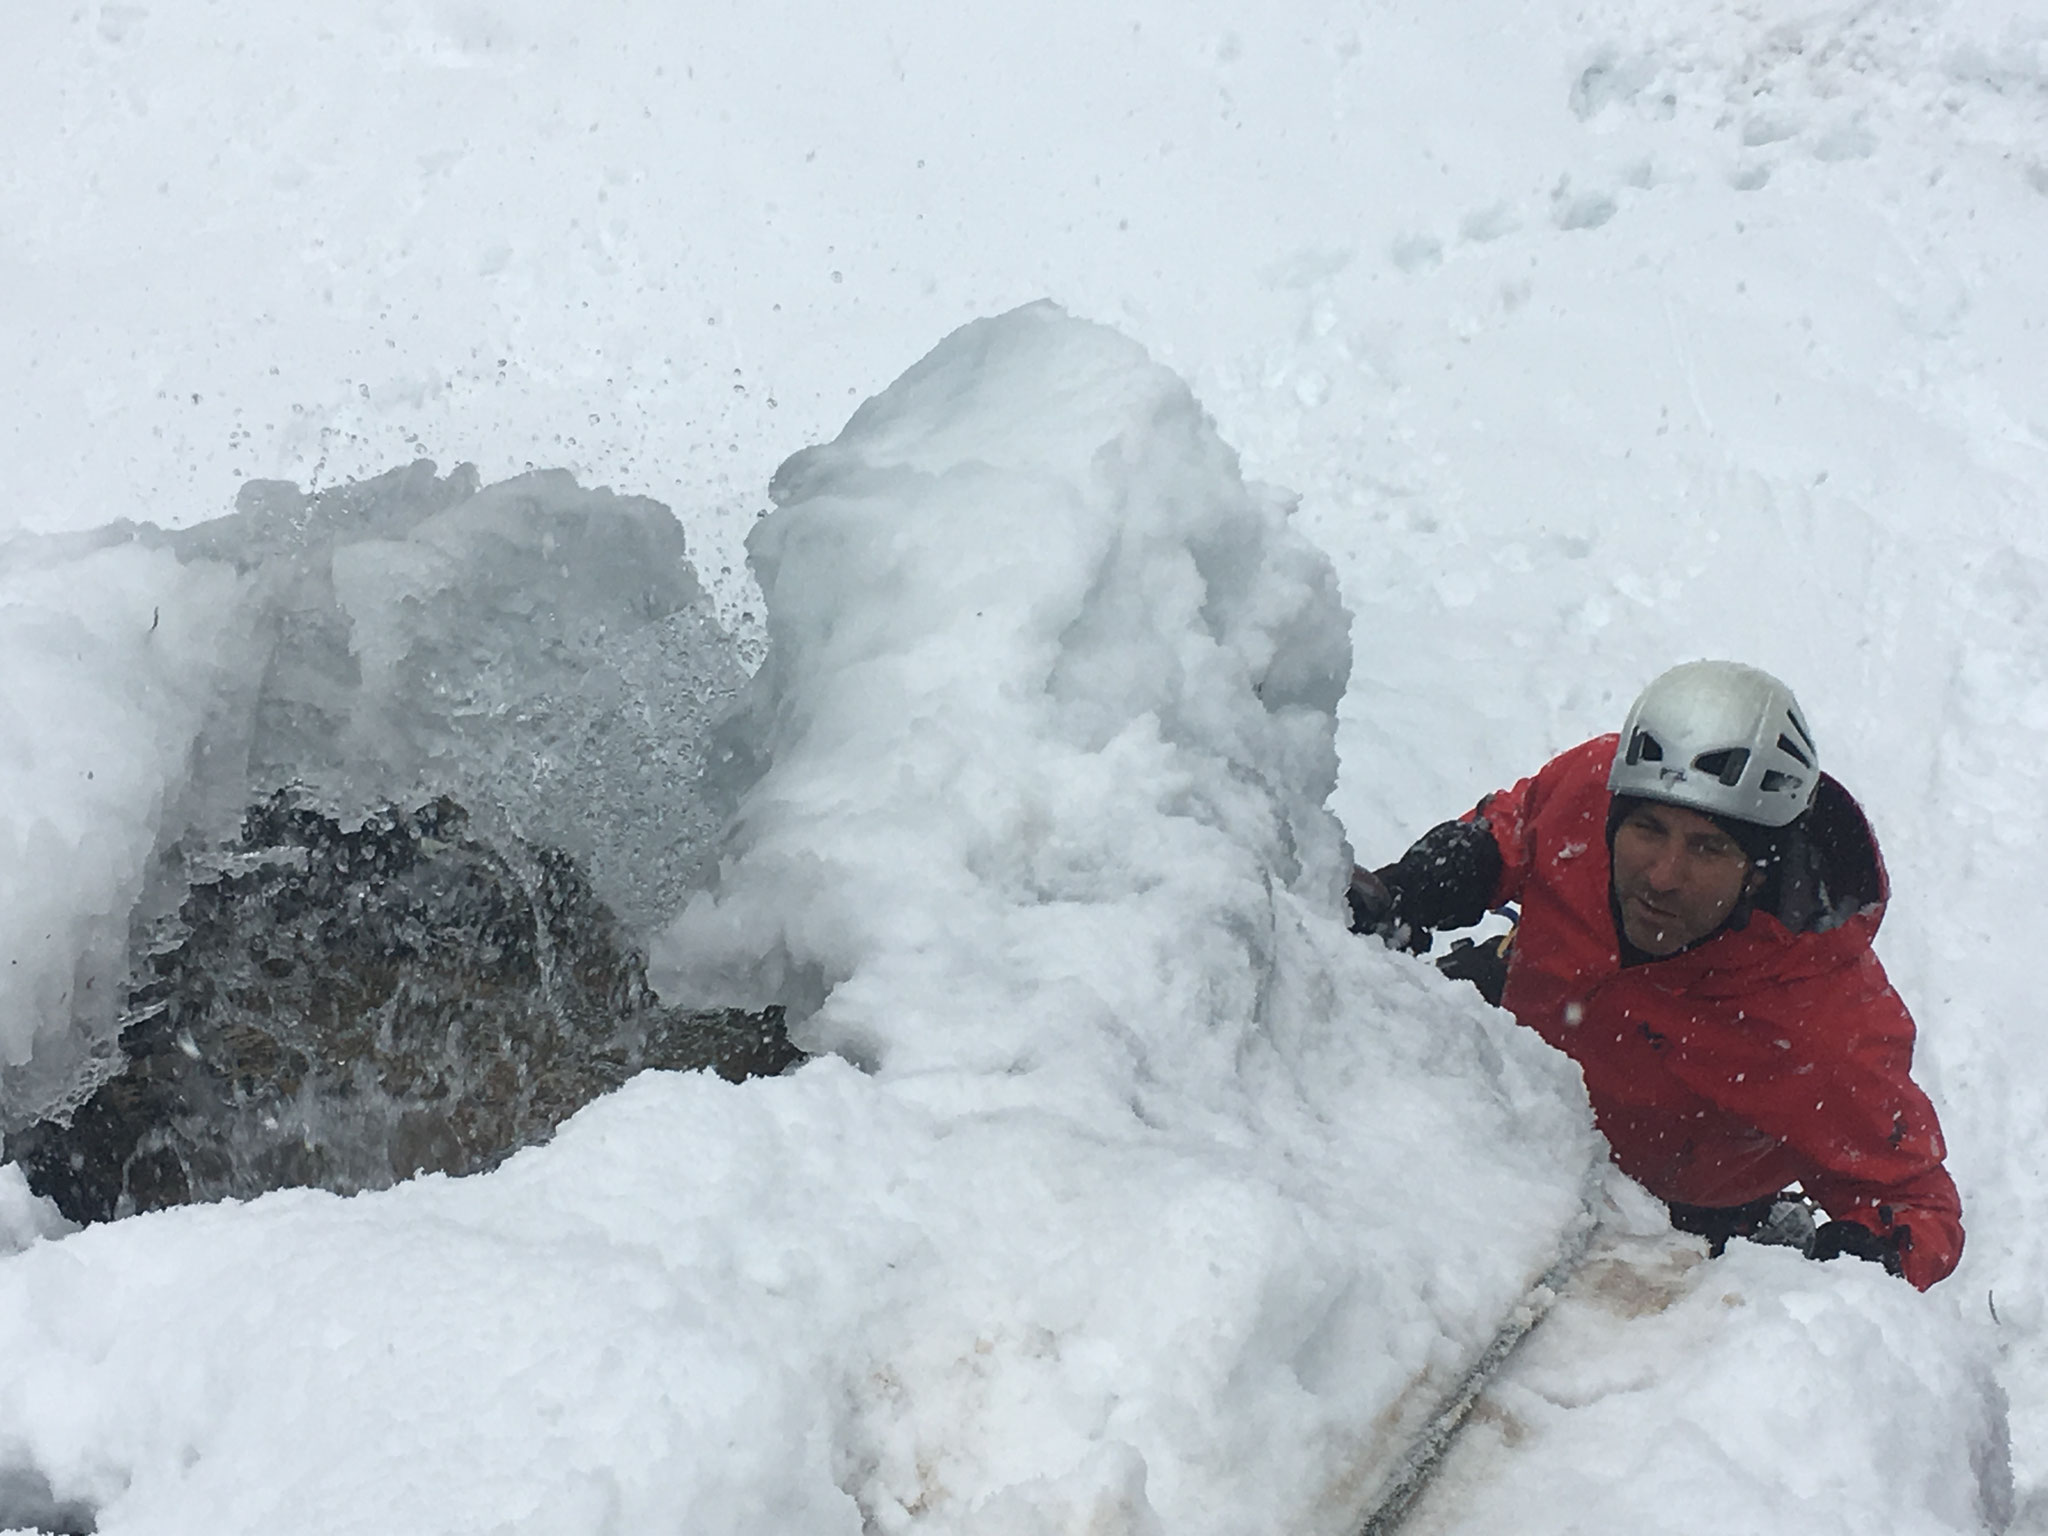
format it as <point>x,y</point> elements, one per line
<point>344,1007</point>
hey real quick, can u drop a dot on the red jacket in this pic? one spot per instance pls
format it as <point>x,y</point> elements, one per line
<point>1725,1072</point>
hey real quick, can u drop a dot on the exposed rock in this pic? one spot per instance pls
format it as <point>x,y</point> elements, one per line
<point>344,1008</point>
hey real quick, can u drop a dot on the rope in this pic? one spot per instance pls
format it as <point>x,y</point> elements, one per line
<point>1425,1456</point>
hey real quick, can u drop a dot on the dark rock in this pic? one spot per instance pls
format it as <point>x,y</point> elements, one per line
<point>346,1007</point>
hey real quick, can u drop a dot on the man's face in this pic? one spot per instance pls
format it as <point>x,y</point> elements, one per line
<point>1676,875</point>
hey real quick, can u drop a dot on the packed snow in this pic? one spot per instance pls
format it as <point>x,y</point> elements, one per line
<point>1756,1392</point>
<point>1591,340</point>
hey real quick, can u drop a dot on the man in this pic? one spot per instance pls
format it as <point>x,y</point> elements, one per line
<point>1697,904</point>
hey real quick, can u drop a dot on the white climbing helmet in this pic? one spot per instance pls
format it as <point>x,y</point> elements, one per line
<point>1721,739</point>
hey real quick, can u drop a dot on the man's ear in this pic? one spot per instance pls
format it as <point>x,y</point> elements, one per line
<point>1753,881</point>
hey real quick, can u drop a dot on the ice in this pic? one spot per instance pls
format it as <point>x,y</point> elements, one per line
<point>540,652</point>
<point>114,657</point>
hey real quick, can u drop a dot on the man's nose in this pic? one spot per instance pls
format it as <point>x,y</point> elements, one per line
<point>1666,870</point>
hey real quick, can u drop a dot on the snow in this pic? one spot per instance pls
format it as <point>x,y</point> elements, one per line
<point>1757,1392</point>
<point>1049,712</point>
<point>1591,340</point>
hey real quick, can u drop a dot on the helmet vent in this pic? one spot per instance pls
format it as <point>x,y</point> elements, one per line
<point>1773,781</point>
<point>1726,764</point>
<point>1792,749</point>
<point>1644,748</point>
<point>1805,738</point>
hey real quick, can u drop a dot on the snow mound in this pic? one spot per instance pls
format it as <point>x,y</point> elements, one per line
<point>1045,731</point>
<point>1030,825</point>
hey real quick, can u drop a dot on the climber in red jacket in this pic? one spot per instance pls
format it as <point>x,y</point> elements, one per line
<point>1697,903</point>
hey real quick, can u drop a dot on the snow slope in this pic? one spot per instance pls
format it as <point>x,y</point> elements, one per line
<point>1592,340</point>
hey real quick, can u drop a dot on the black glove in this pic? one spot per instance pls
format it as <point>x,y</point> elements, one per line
<point>1835,1238</point>
<point>1444,881</point>
<point>1376,910</point>
<point>1485,966</point>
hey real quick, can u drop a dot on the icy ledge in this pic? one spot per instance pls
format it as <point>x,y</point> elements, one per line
<point>1138,1197</point>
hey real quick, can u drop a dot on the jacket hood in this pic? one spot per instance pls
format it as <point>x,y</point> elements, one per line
<point>1829,871</point>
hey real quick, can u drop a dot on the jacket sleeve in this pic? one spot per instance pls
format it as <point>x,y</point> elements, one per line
<point>1458,871</point>
<point>1880,1163</point>
<point>1922,1215</point>
<point>1838,1092</point>
<point>1511,815</point>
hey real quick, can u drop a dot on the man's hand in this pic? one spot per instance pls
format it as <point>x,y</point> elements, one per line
<point>1835,1238</point>
<point>1376,910</point>
<point>1446,880</point>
